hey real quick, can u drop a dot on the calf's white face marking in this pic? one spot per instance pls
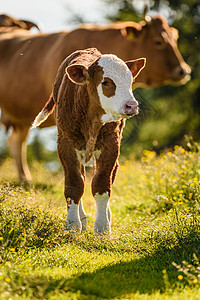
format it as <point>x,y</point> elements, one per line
<point>118,73</point>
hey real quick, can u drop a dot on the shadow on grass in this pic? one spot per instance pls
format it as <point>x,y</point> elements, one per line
<point>143,275</point>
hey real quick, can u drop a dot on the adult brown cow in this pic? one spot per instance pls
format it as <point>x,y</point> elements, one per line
<point>29,64</point>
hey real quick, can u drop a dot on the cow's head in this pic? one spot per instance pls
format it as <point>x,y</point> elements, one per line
<point>110,79</point>
<point>155,40</point>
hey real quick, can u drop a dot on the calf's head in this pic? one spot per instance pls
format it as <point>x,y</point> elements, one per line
<point>109,81</point>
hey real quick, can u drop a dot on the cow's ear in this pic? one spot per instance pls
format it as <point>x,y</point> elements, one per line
<point>175,33</point>
<point>77,73</point>
<point>136,66</point>
<point>131,32</point>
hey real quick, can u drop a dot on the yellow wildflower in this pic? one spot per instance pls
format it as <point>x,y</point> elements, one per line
<point>182,150</point>
<point>176,148</point>
<point>195,280</point>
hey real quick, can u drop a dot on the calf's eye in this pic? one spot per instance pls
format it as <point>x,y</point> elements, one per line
<point>105,83</point>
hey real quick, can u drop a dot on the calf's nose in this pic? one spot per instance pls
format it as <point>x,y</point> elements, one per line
<point>131,108</point>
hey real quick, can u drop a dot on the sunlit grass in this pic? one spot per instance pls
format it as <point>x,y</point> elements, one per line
<point>149,255</point>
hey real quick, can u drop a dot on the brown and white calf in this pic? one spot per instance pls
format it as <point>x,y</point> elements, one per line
<point>92,96</point>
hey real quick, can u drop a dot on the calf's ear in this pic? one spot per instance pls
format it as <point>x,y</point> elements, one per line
<point>135,66</point>
<point>77,73</point>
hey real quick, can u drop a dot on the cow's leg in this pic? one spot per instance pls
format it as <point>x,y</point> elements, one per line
<point>115,169</point>
<point>82,213</point>
<point>101,187</point>
<point>74,184</point>
<point>18,150</point>
<point>114,173</point>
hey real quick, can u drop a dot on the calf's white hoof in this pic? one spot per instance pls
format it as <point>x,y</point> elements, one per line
<point>72,227</point>
<point>102,229</point>
<point>73,222</point>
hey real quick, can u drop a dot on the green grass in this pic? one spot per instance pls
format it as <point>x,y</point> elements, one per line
<point>152,252</point>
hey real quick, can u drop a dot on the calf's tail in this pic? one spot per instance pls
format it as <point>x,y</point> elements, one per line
<point>45,112</point>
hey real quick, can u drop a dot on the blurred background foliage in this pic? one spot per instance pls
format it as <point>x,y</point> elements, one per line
<point>168,113</point>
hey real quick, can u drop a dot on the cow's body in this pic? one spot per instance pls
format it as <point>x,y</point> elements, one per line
<point>29,64</point>
<point>92,94</point>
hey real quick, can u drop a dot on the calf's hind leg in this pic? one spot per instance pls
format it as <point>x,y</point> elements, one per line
<point>74,186</point>
<point>82,215</point>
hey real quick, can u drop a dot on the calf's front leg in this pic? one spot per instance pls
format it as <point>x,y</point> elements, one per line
<point>101,189</point>
<point>74,185</point>
<point>102,224</point>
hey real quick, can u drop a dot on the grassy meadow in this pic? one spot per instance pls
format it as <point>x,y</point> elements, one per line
<point>152,253</point>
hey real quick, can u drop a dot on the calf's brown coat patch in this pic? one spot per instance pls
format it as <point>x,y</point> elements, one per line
<point>108,87</point>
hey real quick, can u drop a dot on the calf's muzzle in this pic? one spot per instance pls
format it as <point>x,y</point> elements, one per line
<point>131,108</point>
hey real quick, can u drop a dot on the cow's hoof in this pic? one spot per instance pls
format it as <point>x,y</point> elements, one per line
<point>72,227</point>
<point>102,229</point>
